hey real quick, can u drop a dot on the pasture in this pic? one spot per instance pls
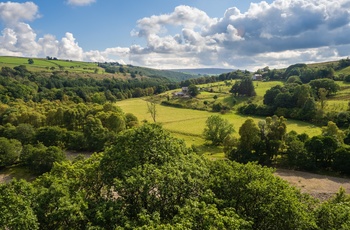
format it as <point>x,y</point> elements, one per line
<point>188,124</point>
<point>339,102</point>
<point>44,65</point>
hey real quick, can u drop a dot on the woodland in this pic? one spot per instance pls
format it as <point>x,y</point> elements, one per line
<point>134,174</point>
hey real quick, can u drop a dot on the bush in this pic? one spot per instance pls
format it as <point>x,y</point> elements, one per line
<point>10,150</point>
<point>40,159</point>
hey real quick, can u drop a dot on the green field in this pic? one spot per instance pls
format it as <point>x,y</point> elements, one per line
<point>44,65</point>
<point>189,124</point>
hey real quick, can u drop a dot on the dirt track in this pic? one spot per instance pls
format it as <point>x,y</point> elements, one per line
<point>319,186</point>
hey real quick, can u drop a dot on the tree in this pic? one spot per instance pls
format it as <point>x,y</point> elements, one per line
<point>257,195</point>
<point>334,213</point>
<point>296,155</point>
<point>51,135</point>
<point>322,96</point>
<point>40,159</point>
<point>308,111</point>
<point>327,84</point>
<point>341,161</point>
<point>322,150</point>
<point>217,129</point>
<point>270,95</point>
<point>131,120</point>
<point>16,206</point>
<point>94,133</point>
<point>272,133</point>
<point>333,131</point>
<point>147,144</point>
<point>235,88</point>
<point>249,133</point>
<point>152,109</point>
<point>10,150</point>
<point>193,90</point>
<point>25,133</point>
<point>244,87</point>
<point>30,61</point>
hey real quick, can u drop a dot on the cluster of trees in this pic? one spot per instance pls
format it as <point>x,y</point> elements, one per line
<point>243,87</point>
<point>297,101</point>
<point>268,143</point>
<point>305,73</point>
<point>150,180</point>
<point>29,129</point>
<point>19,83</point>
<point>237,74</point>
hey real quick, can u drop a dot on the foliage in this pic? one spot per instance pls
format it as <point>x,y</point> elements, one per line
<point>16,206</point>
<point>149,180</point>
<point>244,87</point>
<point>324,83</point>
<point>259,196</point>
<point>217,129</point>
<point>138,147</point>
<point>335,213</point>
<point>10,150</point>
<point>193,90</point>
<point>40,159</point>
<point>152,109</point>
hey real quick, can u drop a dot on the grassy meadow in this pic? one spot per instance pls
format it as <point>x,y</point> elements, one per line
<point>188,124</point>
<point>44,65</point>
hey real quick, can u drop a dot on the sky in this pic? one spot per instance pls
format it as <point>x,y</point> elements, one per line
<point>168,34</point>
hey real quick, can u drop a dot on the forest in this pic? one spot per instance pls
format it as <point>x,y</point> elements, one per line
<point>137,175</point>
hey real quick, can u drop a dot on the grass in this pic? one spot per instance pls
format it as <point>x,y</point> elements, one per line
<point>44,65</point>
<point>188,124</point>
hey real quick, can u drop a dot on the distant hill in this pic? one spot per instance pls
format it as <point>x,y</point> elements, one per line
<point>91,69</point>
<point>172,75</point>
<point>203,71</point>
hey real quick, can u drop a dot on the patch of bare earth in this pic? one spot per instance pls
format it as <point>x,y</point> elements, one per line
<point>4,178</point>
<point>319,186</point>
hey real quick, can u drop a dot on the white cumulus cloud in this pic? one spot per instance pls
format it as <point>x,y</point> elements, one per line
<point>282,28</point>
<point>13,12</point>
<point>276,34</point>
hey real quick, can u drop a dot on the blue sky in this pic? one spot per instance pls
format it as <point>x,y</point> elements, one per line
<point>178,34</point>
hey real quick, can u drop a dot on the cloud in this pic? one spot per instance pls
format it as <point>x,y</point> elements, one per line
<point>299,29</point>
<point>12,12</point>
<point>276,34</point>
<point>69,49</point>
<point>80,2</point>
<point>20,39</point>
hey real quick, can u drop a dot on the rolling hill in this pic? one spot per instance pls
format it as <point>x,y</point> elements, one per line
<point>91,69</point>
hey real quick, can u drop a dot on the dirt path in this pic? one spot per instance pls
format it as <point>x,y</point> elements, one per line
<point>319,186</point>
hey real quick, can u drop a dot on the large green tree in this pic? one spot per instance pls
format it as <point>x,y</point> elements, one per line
<point>10,150</point>
<point>217,128</point>
<point>244,87</point>
<point>16,206</point>
<point>249,133</point>
<point>259,196</point>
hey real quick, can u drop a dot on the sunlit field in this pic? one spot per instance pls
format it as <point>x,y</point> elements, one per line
<point>41,64</point>
<point>189,124</point>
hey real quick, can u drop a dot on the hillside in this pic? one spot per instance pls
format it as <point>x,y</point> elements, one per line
<point>203,71</point>
<point>91,69</point>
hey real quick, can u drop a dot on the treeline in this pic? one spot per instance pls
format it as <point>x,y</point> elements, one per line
<point>150,180</point>
<point>19,83</point>
<point>136,71</point>
<point>34,130</point>
<point>268,143</point>
<point>237,74</point>
<point>306,102</point>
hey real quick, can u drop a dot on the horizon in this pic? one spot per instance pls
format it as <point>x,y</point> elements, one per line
<point>178,34</point>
